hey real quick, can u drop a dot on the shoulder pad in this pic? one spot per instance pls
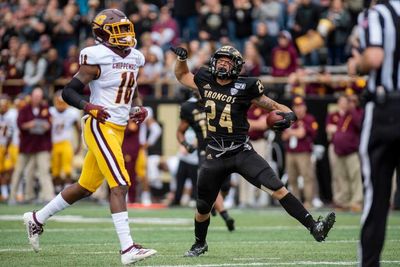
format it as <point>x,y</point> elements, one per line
<point>95,55</point>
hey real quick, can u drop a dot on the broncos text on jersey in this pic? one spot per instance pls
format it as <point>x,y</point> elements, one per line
<point>226,105</point>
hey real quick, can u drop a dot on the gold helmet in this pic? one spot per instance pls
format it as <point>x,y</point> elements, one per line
<point>112,28</point>
<point>59,102</point>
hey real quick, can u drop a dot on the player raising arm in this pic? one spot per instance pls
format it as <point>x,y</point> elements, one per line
<point>227,97</point>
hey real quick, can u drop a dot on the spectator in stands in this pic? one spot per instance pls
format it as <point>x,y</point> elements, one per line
<point>337,37</point>
<point>87,18</point>
<point>151,71</point>
<point>9,71</point>
<point>299,139</point>
<point>14,45</point>
<point>165,30</point>
<point>29,22</point>
<point>54,68</point>
<point>186,14</point>
<point>200,54</point>
<point>7,29</point>
<point>345,140</point>
<point>306,20</point>
<point>144,20</point>
<point>66,29</point>
<point>241,16</point>
<point>252,59</point>
<point>22,57</point>
<point>284,56</point>
<point>265,42</point>
<point>71,62</point>
<point>35,145</point>
<point>44,44</point>
<point>213,24</point>
<point>269,12</point>
<point>34,71</point>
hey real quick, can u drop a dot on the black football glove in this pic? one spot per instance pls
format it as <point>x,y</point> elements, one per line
<point>288,119</point>
<point>97,112</point>
<point>181,52</point>
<point>189,148</point>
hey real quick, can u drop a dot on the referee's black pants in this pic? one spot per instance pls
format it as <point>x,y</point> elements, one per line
<point>380,154</point>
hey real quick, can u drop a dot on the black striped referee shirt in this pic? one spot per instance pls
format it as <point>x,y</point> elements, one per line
<point>380,27</point>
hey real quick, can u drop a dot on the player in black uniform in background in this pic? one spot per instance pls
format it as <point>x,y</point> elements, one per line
<point>227,97</point>
<point>193,115</point>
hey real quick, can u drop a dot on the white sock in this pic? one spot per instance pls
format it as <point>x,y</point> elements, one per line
<point>4,191</point>
<point>121,224</point>
<point>54,206</point>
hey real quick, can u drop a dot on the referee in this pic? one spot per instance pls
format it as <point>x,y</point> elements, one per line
<point>379,29</point>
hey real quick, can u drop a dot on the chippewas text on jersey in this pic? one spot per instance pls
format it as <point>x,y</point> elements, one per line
<point>116,84</point>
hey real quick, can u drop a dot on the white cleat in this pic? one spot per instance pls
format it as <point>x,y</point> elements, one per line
<point>136,253</point>
<point>33,229</point>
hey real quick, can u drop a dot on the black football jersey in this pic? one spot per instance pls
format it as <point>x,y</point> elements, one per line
<point>226,106</point>
<point>194,113</point>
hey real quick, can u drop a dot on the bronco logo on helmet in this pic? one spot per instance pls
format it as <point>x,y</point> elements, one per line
<point>111,27</point>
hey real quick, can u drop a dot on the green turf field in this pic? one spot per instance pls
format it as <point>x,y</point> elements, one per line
<point>83,235</point>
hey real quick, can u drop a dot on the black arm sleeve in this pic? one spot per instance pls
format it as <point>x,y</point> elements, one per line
<point>73,93</point>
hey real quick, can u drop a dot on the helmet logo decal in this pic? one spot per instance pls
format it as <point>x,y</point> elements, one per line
<point>99,20</point>
<point>112,28</point>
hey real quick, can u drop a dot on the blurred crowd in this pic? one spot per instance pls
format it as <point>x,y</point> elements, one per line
<point>40,40</point>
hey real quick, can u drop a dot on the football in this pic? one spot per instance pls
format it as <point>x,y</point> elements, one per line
<point>272,117</point>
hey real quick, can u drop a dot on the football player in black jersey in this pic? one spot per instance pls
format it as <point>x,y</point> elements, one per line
<point>193,115</point>
<point>227,97</point>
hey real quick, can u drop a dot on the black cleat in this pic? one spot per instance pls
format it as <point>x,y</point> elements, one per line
<point>230,223</point>
<point>197,249</point>
<point>322,227</point>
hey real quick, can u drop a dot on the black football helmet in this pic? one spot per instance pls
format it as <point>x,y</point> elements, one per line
<point>112,28</point>
<point>231,53</point>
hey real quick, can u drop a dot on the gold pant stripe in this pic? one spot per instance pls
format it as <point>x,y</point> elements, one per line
<point>107,153</point>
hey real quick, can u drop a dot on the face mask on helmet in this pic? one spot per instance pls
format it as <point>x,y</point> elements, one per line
<point>222,72</point>
<point>113,28</point>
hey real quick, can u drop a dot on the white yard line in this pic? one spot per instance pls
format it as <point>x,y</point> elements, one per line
<point>81,219</point>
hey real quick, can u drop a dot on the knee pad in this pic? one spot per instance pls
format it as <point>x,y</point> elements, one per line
<point>203,207</point>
